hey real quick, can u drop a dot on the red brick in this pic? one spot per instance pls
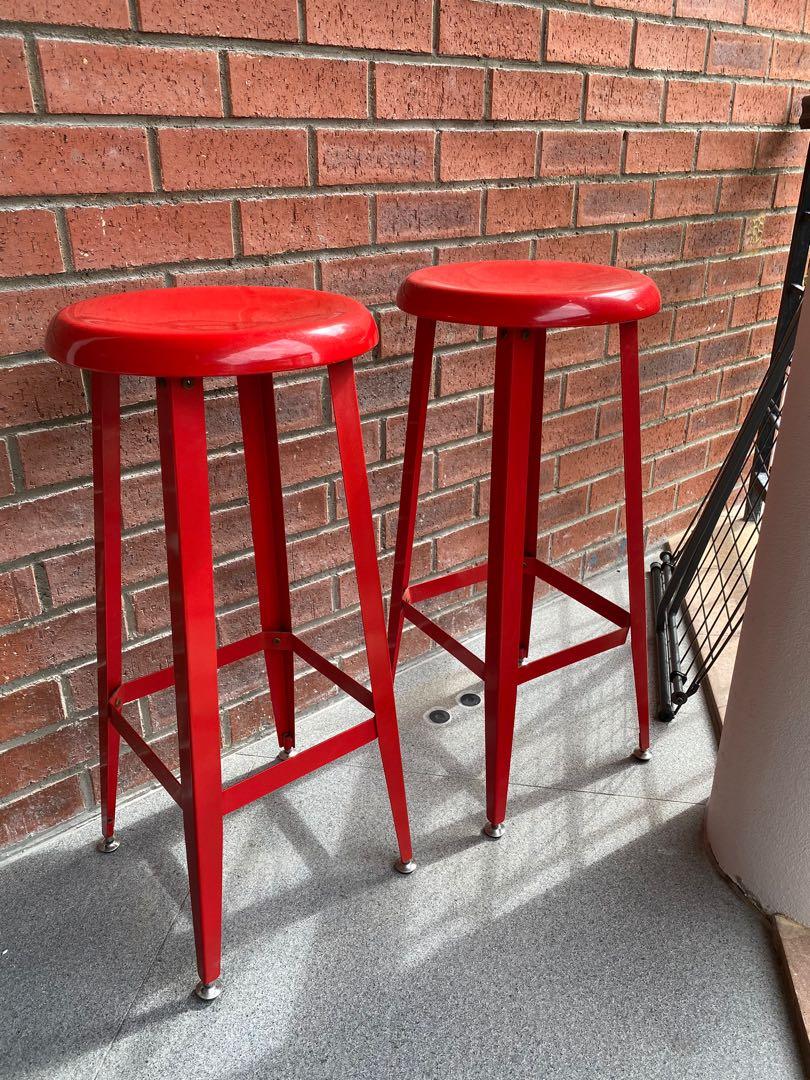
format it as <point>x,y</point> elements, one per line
<point>787,190</point>
<point>669,47</point>
<point>678,283</point>
<point>681,198</point>
<point>715,418</point>
<point>572,428</point>
<point>679,463</point>
<point>31,762</point>
<point>293,224</point>
<point>527,209</point>
<point>623,97</point>
<point>371,279</point>
<point>580,153</point>
<point>590,247</point>
<point>366,24</point>
<point>726,150</point>
<point>583,533</point>
<point>427,215</point>
<point>292,86</point>
<point>480,155</point>
<point>698,101</point>
<point>781,149</point>
<point>28,243</point>
<point>43,809</point>
<point>786,15</point>
<point>738,54</point>
<point>504,31</point>
<point>659,151</point>
<point>712,238</point>
<point>6,478</point>
<point>702,320</point>
<point>428,92</point>
<point>742,378</point>
<point>286,275</point>
<point>18,596</point>
<point>572,38</point>
<point>668,364</point>
<point>686,393</point>
<point>26,710</point>
<point>722,349</point>
<point>40,391</point>
<point>83,77</point>
<point>728,11</point>
<point>790,59</point>
<point>375,157</point>
<point>198,158</point>
<point>519,94</point>
<point>270,20</point>
<point>15,92</point>
<point>579,465</point>
<point>73,160</point>
<point>759,103</point>
<point>650,244</point>
<point>603,203</point>
<point>750,192</point>
<point>756,307</point>
<point>101,13</point>
<point>141,234</point>
<point>466,370</point>
<point>464,462</point>
<point>446,420</point>
<point>25,314</point>
<point>648,7</point>
<point>732,275</point>
<point>44,644</point>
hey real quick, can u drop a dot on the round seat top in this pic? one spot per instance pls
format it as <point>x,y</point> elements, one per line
<point>521,293</point>
<point>210,330</point>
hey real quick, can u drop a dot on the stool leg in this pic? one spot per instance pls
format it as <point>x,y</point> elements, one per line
<point>260,433</point>
<point>507,522</point>
<point>533,487</point>
<point>105,403</point>
<point>411,473</point>
<point>631,438</point>
<point>358,505</point>
<point>181,423</point>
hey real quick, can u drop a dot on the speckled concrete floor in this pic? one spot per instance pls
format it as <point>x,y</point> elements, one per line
<point>593,940</point>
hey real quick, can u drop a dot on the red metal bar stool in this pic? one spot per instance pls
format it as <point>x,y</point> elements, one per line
<point>179,336</point>
<point>521,299</point>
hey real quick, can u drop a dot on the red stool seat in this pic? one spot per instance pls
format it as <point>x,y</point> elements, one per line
<point>529,294</point>
<point>210,330</point>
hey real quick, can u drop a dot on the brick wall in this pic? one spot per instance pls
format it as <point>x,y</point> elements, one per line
<point>341,145</point>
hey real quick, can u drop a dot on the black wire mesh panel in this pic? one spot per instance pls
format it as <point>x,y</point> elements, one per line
<point>699,589</point>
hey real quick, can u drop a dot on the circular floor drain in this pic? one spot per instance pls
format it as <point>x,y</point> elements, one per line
<point>470,700</point>
<point>438,716</point>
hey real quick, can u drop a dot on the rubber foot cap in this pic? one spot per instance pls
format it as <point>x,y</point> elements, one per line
<point>405,867</point>
<point>642,755</point>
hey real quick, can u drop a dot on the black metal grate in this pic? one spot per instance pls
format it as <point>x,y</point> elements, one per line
<point>700,588</point>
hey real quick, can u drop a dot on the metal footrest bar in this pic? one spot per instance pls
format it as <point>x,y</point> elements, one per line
<point>277,775</point>
<point>544,664</point>
<point>572,654</point>
<point>437,586</point>
<point>261,783</point>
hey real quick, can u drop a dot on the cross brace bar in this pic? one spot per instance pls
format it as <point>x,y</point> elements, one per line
<point>561,582</point>
<point>277,775</point>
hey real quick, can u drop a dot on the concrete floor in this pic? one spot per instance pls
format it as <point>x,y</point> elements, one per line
<point>593,940</point>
